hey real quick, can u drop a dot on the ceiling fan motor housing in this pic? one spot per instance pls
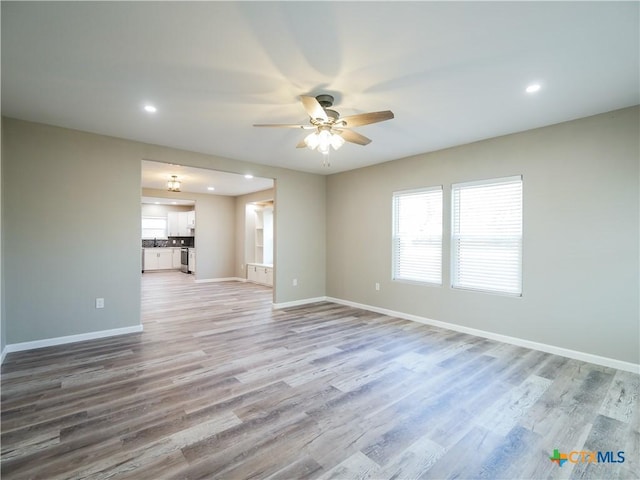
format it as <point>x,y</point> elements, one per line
<point>325,100</point>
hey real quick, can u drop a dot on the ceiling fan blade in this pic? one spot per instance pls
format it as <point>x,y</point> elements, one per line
<point>354,137</point>
<point>283,125</point>
<point>366,118</point>
<point>301,144</point>
<point>314,109</point>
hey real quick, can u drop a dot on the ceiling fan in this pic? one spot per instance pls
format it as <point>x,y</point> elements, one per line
<point>329,129</point>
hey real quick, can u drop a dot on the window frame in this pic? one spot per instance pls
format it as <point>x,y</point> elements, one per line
<point>396,195</point>
<point>454,237</point>
<point>154,218</point>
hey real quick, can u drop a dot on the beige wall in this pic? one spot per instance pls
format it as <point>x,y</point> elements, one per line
<point>3,326</point>
<point>300,206</point>
<point>301,209</point>
<point>72,232</point>
<point>581,200</point>
<point>71,225</point>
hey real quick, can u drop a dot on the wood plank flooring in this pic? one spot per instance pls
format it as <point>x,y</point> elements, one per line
<point>219,385</point>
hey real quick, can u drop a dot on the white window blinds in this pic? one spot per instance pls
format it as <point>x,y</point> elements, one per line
<point>154,227</point>
<point>486,245</point>
<point>417,235</point>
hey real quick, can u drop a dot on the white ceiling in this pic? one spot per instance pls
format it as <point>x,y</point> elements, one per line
<point>452,72</point>
<point>198,180</point>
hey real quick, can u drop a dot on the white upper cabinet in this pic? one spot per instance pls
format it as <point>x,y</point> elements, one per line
<point>173,224</point>
<point>191,219</point>
<point>181,224</point>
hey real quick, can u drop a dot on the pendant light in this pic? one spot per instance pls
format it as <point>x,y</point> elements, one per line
<point>173,185</point>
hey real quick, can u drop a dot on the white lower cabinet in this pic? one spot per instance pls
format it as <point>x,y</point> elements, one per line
<point>259,273</point>
<point>158,259</point>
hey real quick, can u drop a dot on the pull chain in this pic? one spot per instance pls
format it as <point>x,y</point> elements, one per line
<point>325,160</point>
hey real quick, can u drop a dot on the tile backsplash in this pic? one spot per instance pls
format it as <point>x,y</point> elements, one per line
<point>170,242</point>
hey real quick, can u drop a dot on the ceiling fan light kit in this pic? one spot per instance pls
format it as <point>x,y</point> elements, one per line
<point>323,139</point>
<point>331,131</point>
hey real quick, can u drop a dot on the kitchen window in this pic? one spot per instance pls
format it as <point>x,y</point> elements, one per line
<point>154,227</point>
<point>486,236</point>
<point>417,235</point>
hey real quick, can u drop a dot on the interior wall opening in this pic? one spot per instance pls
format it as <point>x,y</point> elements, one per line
<point>212,225</point>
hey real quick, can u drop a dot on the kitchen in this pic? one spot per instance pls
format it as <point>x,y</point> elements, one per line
<point>168,235</point>
<point>205,227</point>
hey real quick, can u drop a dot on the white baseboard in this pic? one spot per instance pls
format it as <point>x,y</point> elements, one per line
<point>212,280</point>
<point>50,342</point>
<point>543,347</point>
<point>297,303</point>
<point>564,352</point>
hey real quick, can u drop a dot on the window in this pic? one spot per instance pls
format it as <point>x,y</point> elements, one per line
<point>417,235</point>
<point>486,243</point>
<point>154,227</point>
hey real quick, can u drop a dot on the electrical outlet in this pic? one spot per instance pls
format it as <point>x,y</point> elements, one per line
<point>377,287</point>
<point>295,282</point>
<point>99,302</point>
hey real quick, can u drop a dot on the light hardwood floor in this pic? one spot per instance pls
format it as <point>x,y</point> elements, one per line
<point>219,385</point>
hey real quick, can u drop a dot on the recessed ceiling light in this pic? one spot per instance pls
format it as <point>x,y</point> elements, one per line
<point>157,203</point>
<point>533,88</point>
<point>248,176</point>
<point>150,109</point>
<point>211,189</point>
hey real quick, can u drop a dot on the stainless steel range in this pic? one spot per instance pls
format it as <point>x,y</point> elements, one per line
<point>184,259</point>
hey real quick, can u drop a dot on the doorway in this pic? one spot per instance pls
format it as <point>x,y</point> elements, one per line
<point>218,200</point>
<point>259,241</point>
